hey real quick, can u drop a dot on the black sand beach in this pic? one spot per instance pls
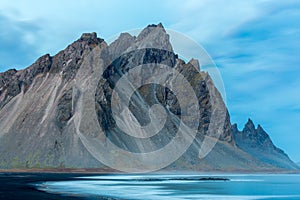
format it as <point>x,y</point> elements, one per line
<point>15,186</point>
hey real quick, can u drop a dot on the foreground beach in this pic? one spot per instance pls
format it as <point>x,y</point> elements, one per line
<point>20,185</point>
<point>109,186</point>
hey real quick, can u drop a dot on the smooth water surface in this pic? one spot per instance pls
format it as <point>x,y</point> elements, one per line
<point>160,187</point>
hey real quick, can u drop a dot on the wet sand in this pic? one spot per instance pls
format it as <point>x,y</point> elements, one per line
<point>20,185</point>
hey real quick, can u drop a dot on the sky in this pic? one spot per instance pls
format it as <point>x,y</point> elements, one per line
<point>255,45</point>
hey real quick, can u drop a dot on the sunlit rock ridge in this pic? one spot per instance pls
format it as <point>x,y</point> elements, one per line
<point>41,107</point>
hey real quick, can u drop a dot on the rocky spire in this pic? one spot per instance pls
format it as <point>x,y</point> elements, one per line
<point>90,38</point>
<point>234,128</point>
<point>195,63</point>
<point>258,143</point>
<point>68,60</point>
<point>154,36</point>
<point>249,126</point>
<point>120,45</point>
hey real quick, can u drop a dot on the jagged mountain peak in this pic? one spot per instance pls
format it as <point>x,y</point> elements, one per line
<point>259,128</point>
<point>257,135</point>
<point>151,37</point>
<point>249,126</point>
<point>156,25</point>
<point>90,38</point>
<point>154,36</point>
<point>87,36</point>
<point>121,44</point>
<point>150,29</point>
<point>250,121</point>
<point>195,63</point>
<point>234,126</point>
<point>258,143</point>
<point>69,60</point>
<point>86,40</point>
<point>41,126</point>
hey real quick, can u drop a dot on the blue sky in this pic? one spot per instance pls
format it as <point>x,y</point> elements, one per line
<point>255,45</point>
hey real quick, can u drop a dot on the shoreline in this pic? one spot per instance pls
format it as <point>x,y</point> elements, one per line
<point>23,184</point>
<point>17,185</point>
<point>59,170</point>
<point>111,171</point>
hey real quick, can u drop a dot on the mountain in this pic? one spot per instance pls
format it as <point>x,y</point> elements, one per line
<point>132,105</point>
<point>257,143</point>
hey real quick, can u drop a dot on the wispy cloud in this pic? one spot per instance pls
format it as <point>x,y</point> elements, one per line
<point>18,45</point>
<point>63,21</point>
<point>256,45</point>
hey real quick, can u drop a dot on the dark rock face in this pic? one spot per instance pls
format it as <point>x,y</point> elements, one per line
<point>41,105</point>
<point>35,107</point>
<point>257,142</point>
<point>64,108</point>
<point>69,60</point>
<point>13,80</point>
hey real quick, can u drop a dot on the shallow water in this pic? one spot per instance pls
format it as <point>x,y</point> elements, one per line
<point>157,186</point>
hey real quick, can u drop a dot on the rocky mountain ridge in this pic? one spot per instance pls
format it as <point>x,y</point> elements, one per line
<point>258,143</point>
<point>50,115</point>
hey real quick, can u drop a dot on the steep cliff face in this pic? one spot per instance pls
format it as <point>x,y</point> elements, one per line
<point>52,112</point>
<point>257,143</point>
<point>35,108</point>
